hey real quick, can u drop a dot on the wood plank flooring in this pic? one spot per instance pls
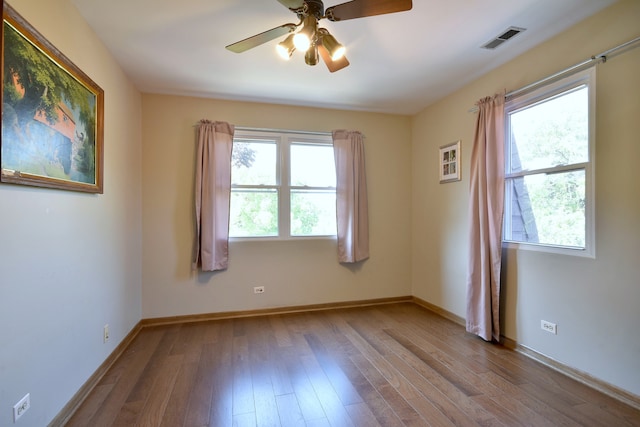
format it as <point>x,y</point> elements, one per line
<point>387,365</point>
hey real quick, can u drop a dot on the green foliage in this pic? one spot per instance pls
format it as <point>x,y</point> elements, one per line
<point>548,135</point>
<point>254,214</point>
<point>54,170</point>
<point>553,133</point>
<point>11,95</point>
<point>86,160</point>
<point>254,200</point>
<point>305,216</point>
<point>45,84</point>
<point>313,213</point>
<point>558,203</point>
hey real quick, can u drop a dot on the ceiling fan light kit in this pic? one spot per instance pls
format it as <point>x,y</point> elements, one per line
<point>286,47</point>
<point>318,42</point>
<point>306,36</point>
<point>336,50</point>
<point>311,56</point>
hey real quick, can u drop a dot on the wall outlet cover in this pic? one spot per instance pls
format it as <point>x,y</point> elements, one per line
<point>21,407</point>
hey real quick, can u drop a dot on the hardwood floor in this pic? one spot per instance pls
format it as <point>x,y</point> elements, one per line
<point>387,365</point>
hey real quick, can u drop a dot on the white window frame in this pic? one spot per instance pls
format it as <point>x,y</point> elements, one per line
<point>283,140</point>
<point>584,78</point>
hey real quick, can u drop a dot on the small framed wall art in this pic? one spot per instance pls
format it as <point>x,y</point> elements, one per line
<point>450,162</point>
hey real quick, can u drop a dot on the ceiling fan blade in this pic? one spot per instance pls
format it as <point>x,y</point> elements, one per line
<point>292,4</point>
<point>258,39</point>
<point>332,65</point>
<point>361,8</point>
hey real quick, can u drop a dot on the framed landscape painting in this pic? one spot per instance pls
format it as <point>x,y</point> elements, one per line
<point>52,114</point>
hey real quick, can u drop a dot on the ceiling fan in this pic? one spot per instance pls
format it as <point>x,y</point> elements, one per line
<point>311,38</point>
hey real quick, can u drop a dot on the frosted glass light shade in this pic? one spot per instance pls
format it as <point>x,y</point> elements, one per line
<point>301,41</point>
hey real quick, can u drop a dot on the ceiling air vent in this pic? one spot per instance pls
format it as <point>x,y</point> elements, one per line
<point>506,35</point>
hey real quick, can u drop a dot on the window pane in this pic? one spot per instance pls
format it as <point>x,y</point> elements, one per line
<point>312,165</point>
<point>548,209</point>
<point>551,133</point>
<point>313,213</point>
<point>253,162</point>
<point>253,213</point>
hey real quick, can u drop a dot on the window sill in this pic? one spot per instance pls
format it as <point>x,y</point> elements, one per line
<point>558,250</point>
<point>280,239</point>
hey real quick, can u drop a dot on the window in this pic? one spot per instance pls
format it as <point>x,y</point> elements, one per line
<point>549,167</point>
<point>282,185</point>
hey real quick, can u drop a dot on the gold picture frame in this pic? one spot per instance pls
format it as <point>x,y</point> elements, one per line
<point>52,114</point>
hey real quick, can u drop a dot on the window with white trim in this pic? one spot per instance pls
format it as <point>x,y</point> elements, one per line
<point>549,198</point>
<point>283,185</point>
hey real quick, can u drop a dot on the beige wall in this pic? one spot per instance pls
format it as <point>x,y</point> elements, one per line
<point>593,301</point>
<point>293,272</point>
<point>70,262</point>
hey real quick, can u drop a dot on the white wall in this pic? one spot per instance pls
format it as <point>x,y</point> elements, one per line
<point>593,301</point>
<point>293,272</point>
<point>70,262</point>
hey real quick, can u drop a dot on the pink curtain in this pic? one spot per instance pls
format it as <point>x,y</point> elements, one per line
<point>212,195</point>
<point>486,206</point>
<point>351,197</point>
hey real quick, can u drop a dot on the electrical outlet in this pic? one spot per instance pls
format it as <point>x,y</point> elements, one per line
<point>549,327</point>
<point>258,290</point>
<point>21,407</point>
<point>105,333</point>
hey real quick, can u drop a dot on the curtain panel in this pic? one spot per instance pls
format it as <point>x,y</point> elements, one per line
<point>212,195</point>
<point>352,215</point>
<point>486,205</point>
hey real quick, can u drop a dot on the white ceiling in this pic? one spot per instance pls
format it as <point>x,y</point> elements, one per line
<point>400,63</point>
